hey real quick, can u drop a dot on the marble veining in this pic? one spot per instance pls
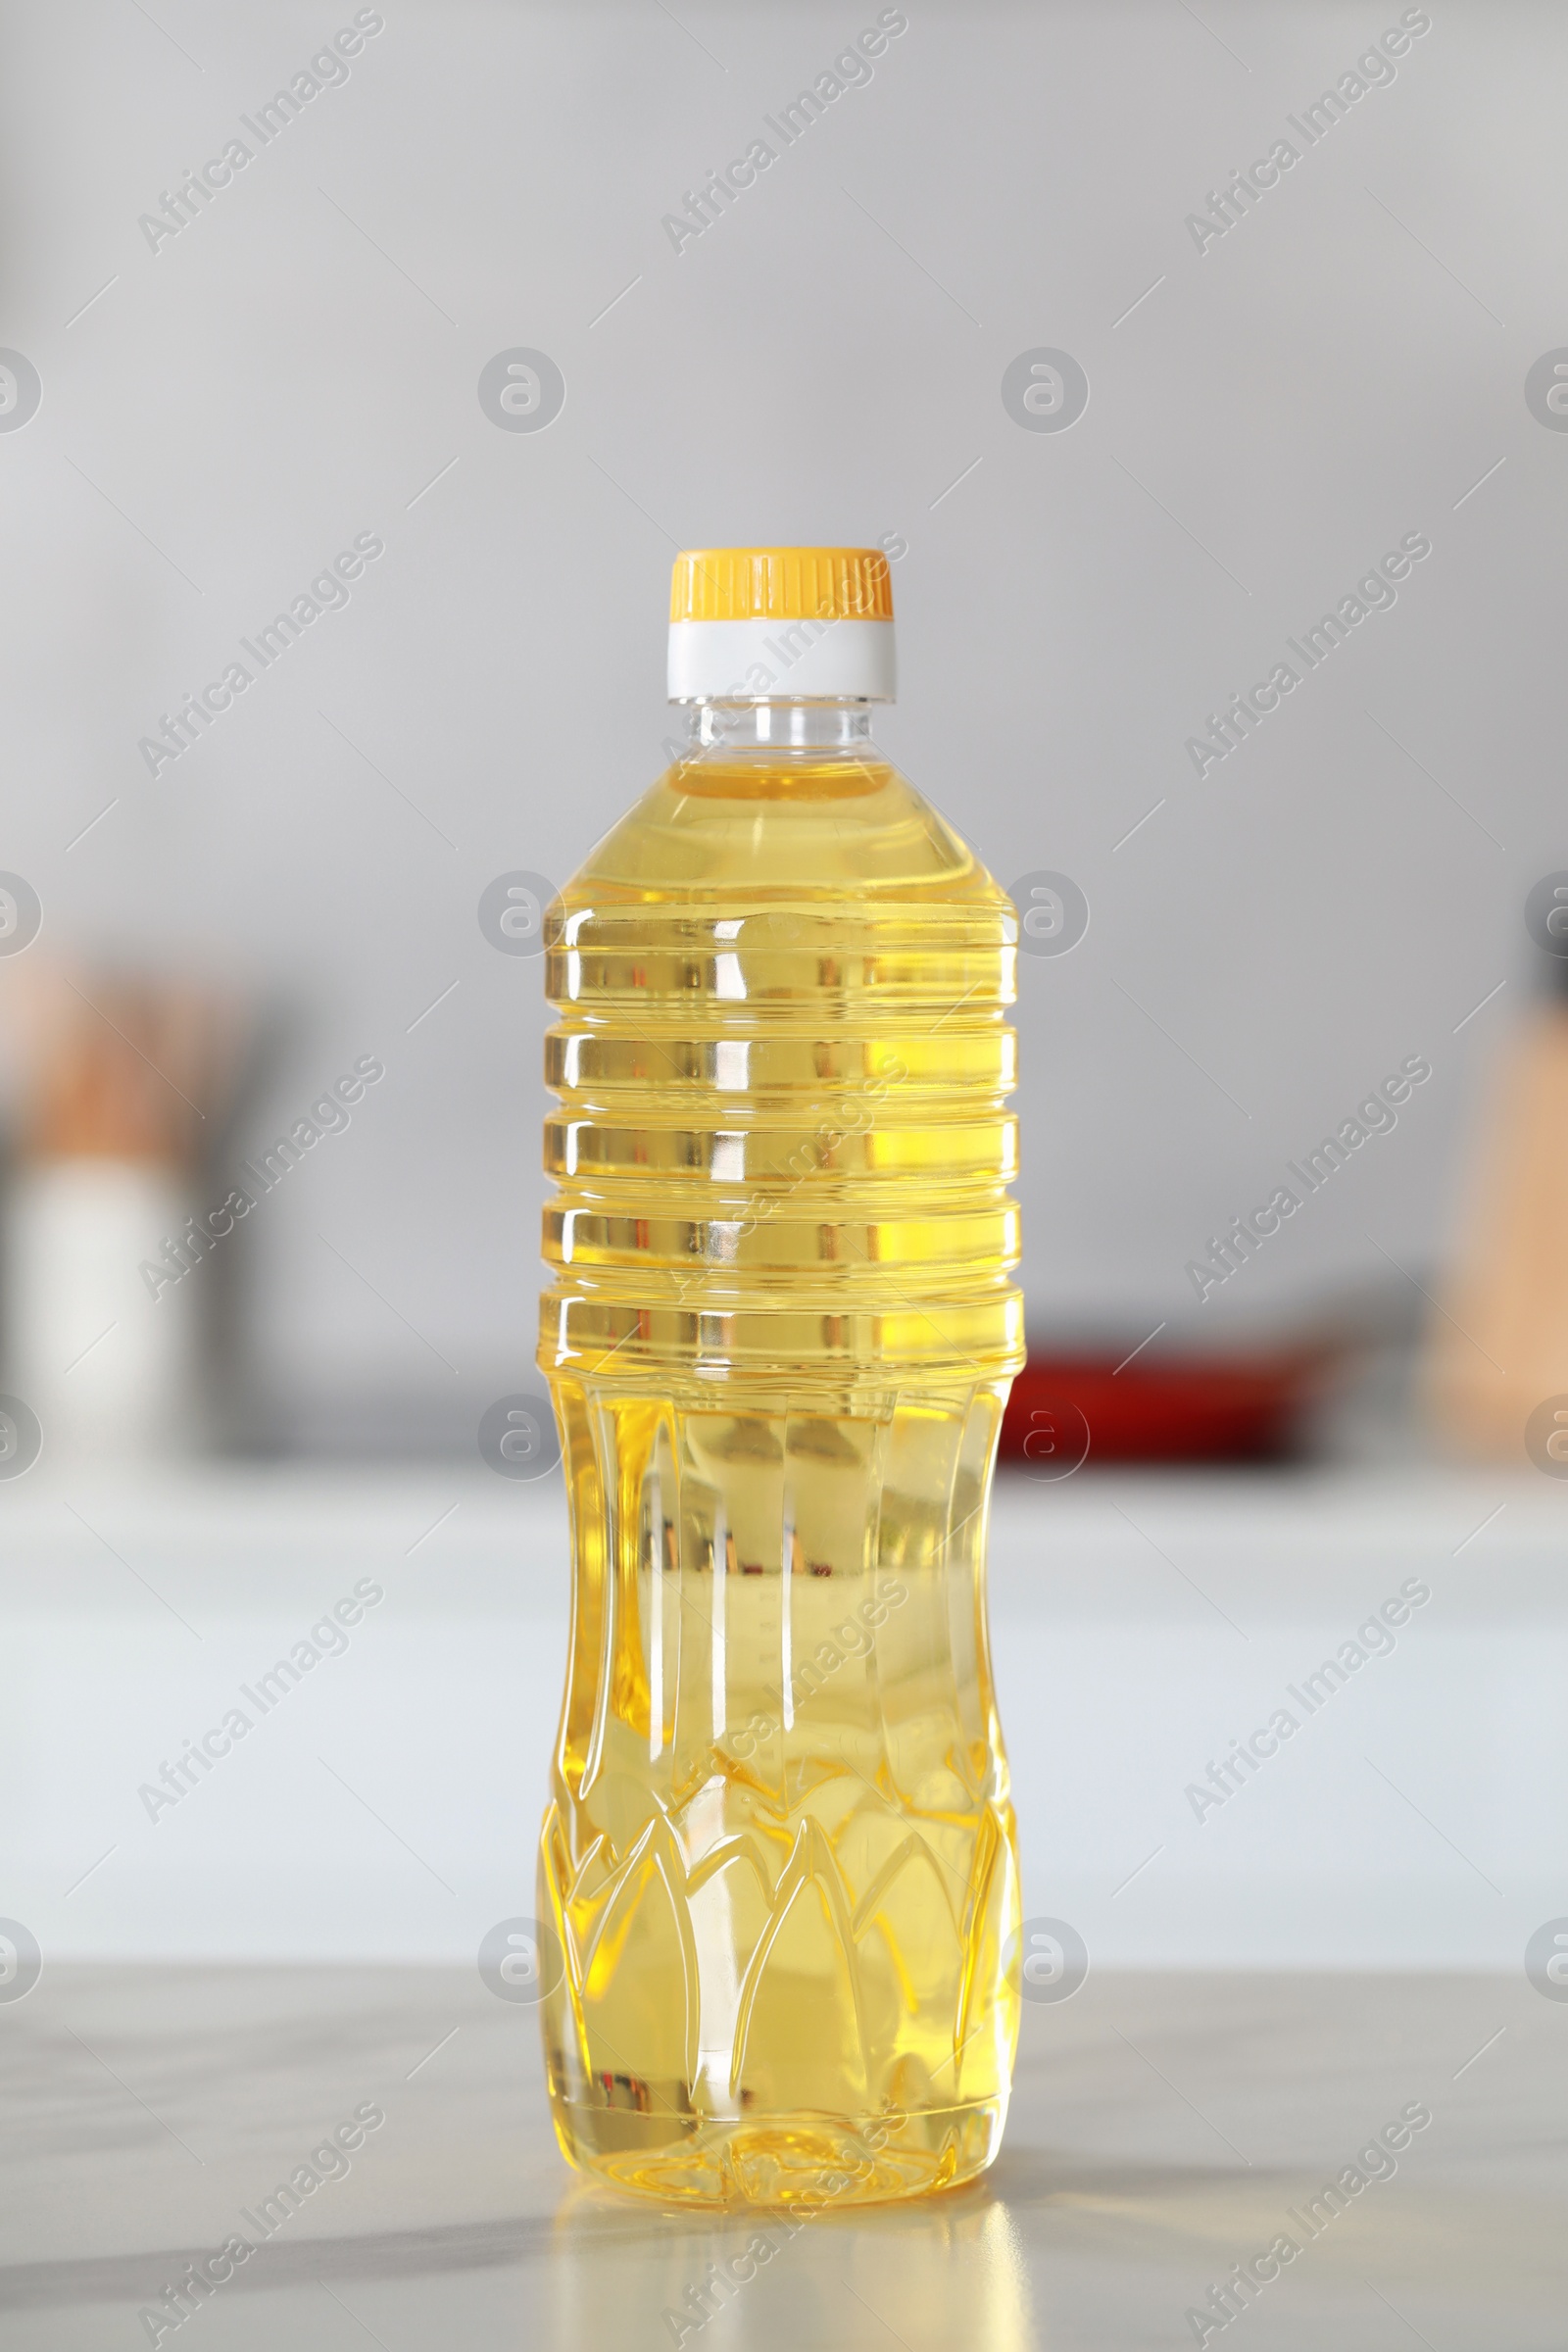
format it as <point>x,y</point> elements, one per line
<point>1163,2129</point>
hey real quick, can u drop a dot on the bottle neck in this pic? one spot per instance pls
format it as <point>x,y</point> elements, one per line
<point>780,726</point>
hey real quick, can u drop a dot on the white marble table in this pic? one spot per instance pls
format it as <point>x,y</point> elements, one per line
<point>1163,2129</point>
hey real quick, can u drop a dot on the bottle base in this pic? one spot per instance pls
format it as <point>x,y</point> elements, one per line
<point>805,2161</point>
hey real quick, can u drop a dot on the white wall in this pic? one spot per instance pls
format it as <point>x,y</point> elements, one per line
<point>236,406</point>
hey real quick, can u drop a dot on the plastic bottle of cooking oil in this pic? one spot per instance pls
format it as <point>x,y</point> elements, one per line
<point>780,1859</point>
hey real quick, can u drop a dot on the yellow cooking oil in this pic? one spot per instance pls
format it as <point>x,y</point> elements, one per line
<point>779,1869</point>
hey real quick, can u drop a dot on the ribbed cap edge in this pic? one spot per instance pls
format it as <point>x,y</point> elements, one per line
<point>781,583</point>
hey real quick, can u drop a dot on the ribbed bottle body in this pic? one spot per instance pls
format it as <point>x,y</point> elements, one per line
<point>779,1857</point>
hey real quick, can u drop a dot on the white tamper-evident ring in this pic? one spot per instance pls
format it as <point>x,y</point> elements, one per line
<point>741,660</point>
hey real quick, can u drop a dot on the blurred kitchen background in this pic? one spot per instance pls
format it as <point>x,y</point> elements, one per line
<point>260,918</point>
